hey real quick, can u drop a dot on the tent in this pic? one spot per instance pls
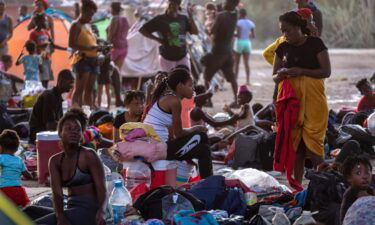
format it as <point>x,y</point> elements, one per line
<point>60,59</point>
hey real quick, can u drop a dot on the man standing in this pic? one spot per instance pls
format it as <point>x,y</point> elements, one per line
<point>221,57</point>
<point>317,14</point>
<point>171,28</point>
<point>48,110</point>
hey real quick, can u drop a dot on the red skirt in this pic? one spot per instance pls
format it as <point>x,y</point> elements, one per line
<point>17,195</point>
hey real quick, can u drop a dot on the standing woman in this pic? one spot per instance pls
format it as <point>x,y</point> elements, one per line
<point>304,62</point>
<point>242,45</point>
<point>117,33</point>
<point>164,114</point>
<point>83,41</point>
<point>6,29</point>
<point>40,8</point>
<point>80,171</point>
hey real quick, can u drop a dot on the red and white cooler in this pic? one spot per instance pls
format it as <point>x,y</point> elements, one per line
<point>47,145</point>
<point>165,173</point>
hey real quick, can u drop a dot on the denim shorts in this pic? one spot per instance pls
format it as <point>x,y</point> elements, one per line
<point>83,66</point>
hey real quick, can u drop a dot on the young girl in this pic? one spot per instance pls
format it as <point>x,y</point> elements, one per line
<point>134,103</point>
<point>164,114</point>
<point>41,37</point>
<point>31,62</point>
<point>244,98</point>
<point>357,173</point>
<point>12,167</point>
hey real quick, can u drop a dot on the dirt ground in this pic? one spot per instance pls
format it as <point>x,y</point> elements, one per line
<point>348,66</point>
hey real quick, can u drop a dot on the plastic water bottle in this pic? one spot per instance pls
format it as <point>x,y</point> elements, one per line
<point>280,218</point>
<point>305,218</point>
<point>119,200</point>
<point>137,173</point>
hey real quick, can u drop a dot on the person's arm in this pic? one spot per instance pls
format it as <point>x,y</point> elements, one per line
<point>213,32</point>
<point>193,26</point>
<point>111,31</point>
<point>278,74</point>
<point>361,104</point>
<point>10,28</point>
<point>145,31</point>
<point>318,19</point>
<point>252,34</point>
<point>57,191</point>
<point>238,30</point>
<point>20,58</point>
<point>97,172</point>
<point>199,113</point>
<point>324,70</point>
<point>73,39</point>
<point>269,52</point>
<point>51,28</point>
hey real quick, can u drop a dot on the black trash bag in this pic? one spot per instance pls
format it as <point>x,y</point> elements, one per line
<point>258,220</point>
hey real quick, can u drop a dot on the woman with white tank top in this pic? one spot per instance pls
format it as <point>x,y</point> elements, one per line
<point>164,114</point>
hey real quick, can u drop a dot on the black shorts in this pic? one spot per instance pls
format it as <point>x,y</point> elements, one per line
<point>215,62</point>
<point>105,70</point>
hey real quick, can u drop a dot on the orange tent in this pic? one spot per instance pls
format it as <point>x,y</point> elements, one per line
<point>60,59</point>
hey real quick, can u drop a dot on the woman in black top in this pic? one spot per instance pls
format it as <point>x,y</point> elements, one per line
<point>304,61</point>
<point>134,103</point>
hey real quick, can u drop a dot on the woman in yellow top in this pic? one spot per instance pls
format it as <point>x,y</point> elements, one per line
<point>304,61</point>
<point>306,14</point>
<point>83,42</point>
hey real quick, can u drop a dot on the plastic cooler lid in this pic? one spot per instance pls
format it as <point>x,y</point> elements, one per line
<point>164,164</point>
<point>47,136</point>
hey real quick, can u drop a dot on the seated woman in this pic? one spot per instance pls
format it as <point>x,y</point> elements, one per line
<point>80,171</point>
<point>164,114</point>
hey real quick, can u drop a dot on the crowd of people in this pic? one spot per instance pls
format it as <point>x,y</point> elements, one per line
<point>305,130</point>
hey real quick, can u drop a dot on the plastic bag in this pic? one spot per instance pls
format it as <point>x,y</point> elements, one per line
<point>258,220</point>
<point>172,204</point>
<point>46,201</point>
<point>257,180</point>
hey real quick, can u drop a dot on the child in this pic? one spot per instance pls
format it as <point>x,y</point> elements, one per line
<point>42,39</point>
<point>12,167</point>
<point>357,173</point>
<point>31,62</point>
<point>199,117</point>
<point>210,13</point>
<point>244,98</point>
<point>367,102</point>
<point>134,102</point>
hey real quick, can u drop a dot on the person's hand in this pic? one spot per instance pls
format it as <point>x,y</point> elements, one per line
<point>294,71</point>
<point>199,128</point>
<point>227,109</point>
<point>63,221</point>
<point>93,48</point>
<point>100,218</point>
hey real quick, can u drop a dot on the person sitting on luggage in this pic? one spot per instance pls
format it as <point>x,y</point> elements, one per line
<point>357,173</point>
<point>367,102</point>
<point>134,103</point>
<point>200,117</point>
<point>12,168</point>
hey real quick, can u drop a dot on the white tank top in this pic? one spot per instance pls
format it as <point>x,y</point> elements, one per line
<point>160,120</point>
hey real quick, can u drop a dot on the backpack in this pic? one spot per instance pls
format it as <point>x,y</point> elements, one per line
<point>213,192</point>
<point>266,150</point>
<point>245,152</point>
<point>324,194</point>
<point>150,204</point>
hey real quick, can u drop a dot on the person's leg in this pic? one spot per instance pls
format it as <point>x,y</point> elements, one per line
<point>116,82</point>
<point>108,93</point>
<point>227,69</point>
<point>89,87</point>
<point>45,83</point>
<point>237,59</point>
<point>193,146</point>
<point>81,79</point>
<point>299,163</point>
<point>246,58</point>
<point>100,93</point>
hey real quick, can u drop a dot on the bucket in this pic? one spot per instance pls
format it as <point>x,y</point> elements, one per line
<point>47,145</point>
<point>184,172</point>
<point>165,173</point>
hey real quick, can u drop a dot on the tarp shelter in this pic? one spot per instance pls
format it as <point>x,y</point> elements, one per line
<point>10,214</point>
<point>60,59</point>
<point>142,59</point>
